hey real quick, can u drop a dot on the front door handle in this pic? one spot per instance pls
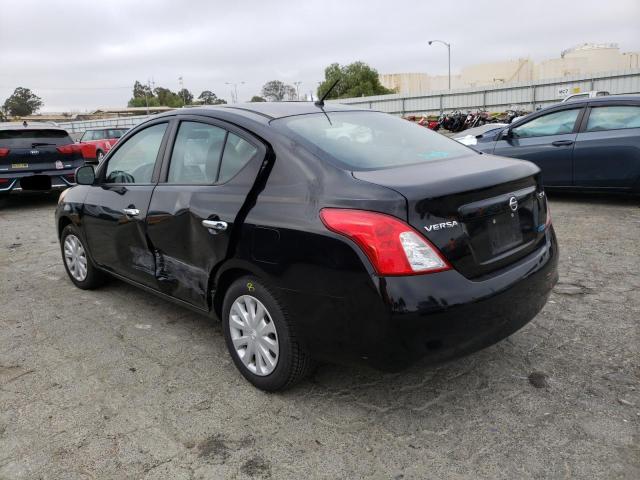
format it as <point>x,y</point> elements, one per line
<point>562,143</point>
<point>131,212</point>
<point>216,225</point>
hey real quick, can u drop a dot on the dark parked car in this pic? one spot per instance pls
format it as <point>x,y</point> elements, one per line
<point>316,234</point>
<point>37,157</point>
<point>590,144</point>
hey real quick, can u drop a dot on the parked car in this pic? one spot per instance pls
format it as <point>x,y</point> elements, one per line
<point>99,141</point>
<point>583,95</point>
<point>470,135</point>
<point>591,144</point>
<point>316,233</point>
<point>37,157</point>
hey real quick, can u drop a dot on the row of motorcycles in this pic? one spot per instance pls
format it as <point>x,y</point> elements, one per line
<point>457,121</point>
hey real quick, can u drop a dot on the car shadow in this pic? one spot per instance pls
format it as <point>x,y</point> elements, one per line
<point>415,387</point>
<point>28,200</point>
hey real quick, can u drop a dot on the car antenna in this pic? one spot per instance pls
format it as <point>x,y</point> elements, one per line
<point>320,103</point>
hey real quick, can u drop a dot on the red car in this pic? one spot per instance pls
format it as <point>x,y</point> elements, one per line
<point>98,141</point>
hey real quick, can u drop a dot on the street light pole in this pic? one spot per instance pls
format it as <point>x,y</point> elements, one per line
<point>234,93</point>
<point>448,45</point>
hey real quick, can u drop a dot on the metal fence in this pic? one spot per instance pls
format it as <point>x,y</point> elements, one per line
<point>80,126</point>
<point>526,96</point>
<point>523,95</point>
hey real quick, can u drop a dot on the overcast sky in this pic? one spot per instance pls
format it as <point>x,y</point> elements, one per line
<point>84,54</point>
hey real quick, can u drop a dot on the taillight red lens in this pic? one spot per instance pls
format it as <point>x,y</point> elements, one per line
<point>4,152</point>
<point>69,149</point>
<point>392,246</point>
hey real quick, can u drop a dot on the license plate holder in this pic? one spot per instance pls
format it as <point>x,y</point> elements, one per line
<point>504,232</point>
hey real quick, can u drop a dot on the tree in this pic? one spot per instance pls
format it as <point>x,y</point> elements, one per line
<point>207,97</point>
<point>22,102</point>
<point>141,91</point>
<point>257,98</point>
<point>276,91</point>
<point>356,80</point>
<point>186,96</point>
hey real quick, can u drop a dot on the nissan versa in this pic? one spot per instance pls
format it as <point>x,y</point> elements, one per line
<point>316,233</point>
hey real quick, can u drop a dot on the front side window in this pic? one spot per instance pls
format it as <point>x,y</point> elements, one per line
<point>133,162</point>
<point>371,140</point>
<point>556,123</point>
<point>613,118</point>
<point>196,154</point>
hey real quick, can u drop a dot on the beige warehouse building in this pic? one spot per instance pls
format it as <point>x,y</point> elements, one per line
<point>580,60</point>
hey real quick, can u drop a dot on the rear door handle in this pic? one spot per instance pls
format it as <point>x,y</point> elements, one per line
<point>216,225</point>
<point>562,143</point>
<point>131,212</point>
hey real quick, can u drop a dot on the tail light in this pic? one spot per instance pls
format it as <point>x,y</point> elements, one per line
<point>4,152</point>
<point>70,149</point>
<point>392,246</point>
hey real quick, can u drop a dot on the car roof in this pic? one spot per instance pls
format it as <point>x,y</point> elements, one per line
<point>30,126</point>
<point>603,98</point>
<point>270,110</point>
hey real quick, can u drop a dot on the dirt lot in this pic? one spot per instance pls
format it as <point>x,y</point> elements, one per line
<point>116,383</point>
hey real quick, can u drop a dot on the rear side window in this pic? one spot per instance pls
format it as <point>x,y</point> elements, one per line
<point>237,153</point>
<point>370,140</point>
<point>115,133</point>
<point>134,161</point>
<point>28,138</point>
<point>196,154</point>
<point>556,123</point>
<point>613,118</point>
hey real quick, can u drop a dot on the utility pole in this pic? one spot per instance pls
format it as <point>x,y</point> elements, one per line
<point>297,84</point>
<point>448,45</point>
<point>181,83</point>
<point>234,92</point>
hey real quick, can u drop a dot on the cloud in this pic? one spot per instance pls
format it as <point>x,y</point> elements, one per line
<point>82,55</point>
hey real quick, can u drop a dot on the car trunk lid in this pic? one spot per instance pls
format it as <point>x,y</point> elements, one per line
<point>483,212</point>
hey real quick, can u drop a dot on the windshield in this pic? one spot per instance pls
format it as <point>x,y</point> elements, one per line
<point>371,140</point>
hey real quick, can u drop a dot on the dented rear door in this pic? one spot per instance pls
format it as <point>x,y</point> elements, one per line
<point>208,176</point>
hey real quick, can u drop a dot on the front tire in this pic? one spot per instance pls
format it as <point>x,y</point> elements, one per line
<point>99,156</point>
<point>261,338</point>
<point>76,260</point>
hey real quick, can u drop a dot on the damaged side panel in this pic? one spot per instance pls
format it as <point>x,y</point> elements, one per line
<point>186,252</point>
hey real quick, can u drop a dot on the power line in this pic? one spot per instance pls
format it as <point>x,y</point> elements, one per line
<point>129,87</point>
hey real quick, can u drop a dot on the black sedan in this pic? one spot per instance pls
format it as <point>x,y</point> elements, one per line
<point>591,144</point>
<point>316,233</point>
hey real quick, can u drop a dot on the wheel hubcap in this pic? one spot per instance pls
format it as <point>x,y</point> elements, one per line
<point>254,335</point>
<point>75,257</point>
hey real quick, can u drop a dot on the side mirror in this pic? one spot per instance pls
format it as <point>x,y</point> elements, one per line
<point>85,175</point>
<point>508,133</point>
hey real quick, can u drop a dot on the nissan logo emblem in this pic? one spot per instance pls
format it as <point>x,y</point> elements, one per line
<point>513,203</point>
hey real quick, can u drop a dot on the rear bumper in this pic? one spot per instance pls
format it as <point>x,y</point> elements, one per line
<point>59,181</point>
<point>433,317</point>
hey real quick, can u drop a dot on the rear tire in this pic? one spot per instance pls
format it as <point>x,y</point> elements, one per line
<point>76,260</point>
<point>261,337</point>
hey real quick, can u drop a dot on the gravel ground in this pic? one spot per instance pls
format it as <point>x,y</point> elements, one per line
<point>116,383</point>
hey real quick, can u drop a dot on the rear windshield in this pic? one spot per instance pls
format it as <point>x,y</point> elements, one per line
<point>28,137</point>
<point>370,140</point>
